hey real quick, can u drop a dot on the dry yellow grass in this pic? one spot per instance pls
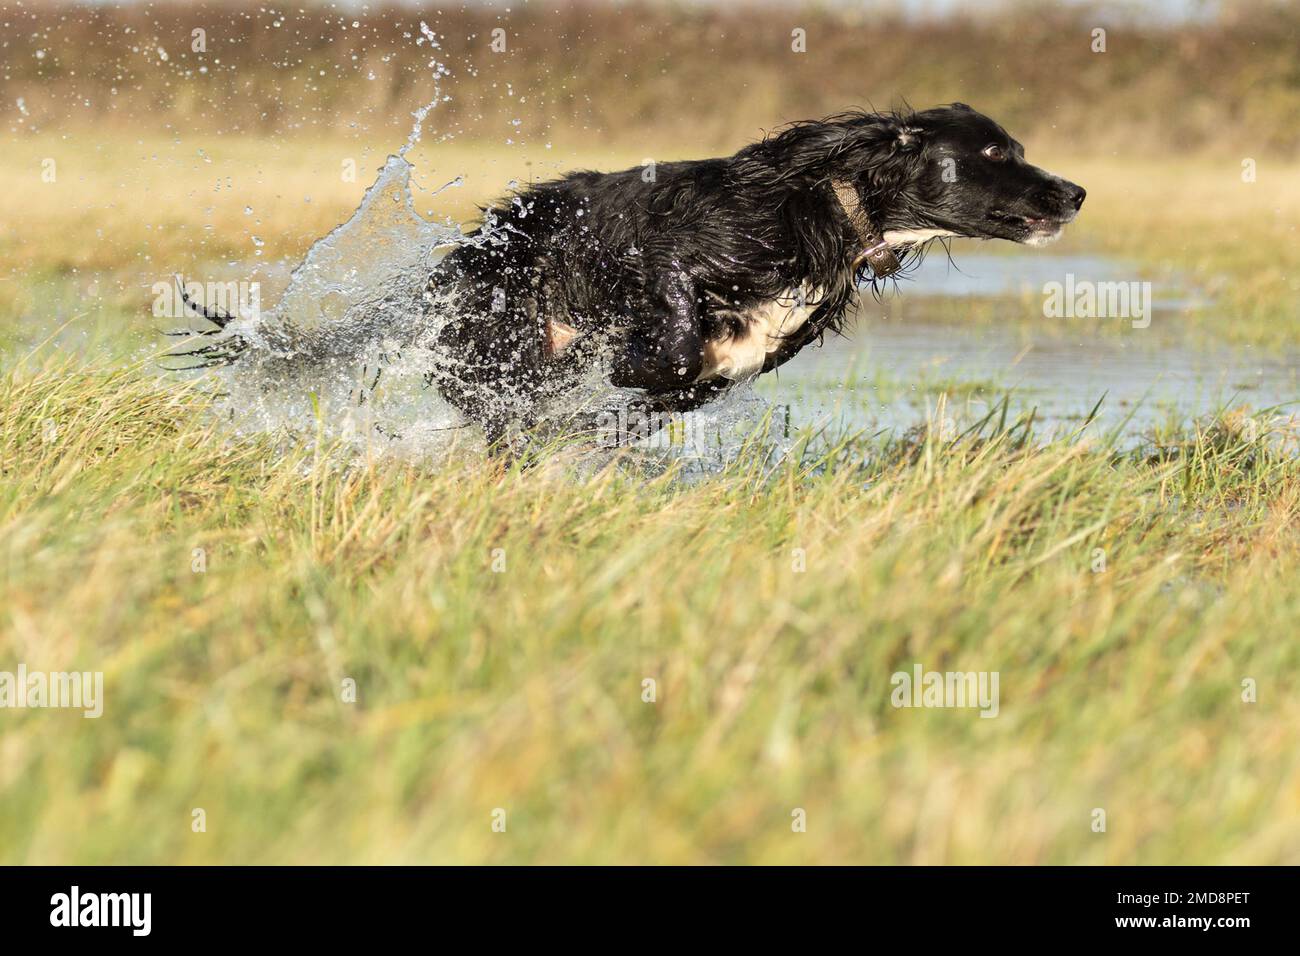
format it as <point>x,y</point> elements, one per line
<point>519,686</point>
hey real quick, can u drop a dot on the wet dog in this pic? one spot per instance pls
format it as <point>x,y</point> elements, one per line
<point>680,280</point>
<point>689,277</point>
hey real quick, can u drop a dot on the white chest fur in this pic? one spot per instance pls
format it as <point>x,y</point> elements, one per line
<point>740,357</point>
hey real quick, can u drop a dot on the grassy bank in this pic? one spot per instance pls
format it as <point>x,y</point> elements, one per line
<point>499,631</point>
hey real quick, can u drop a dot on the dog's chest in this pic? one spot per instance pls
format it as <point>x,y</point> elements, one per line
<point>740,356</point>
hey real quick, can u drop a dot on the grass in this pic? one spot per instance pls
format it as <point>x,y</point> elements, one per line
<point>522,688</point>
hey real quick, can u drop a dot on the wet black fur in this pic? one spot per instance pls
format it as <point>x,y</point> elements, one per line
<point>649,264</point>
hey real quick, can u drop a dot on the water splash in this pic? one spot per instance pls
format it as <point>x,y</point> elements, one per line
<point>342,353</point>
<point>345,353</point>
<point>439,70</point>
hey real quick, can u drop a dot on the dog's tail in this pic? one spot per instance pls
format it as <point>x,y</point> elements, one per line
<point>225,349</point>
<point>291,340</point>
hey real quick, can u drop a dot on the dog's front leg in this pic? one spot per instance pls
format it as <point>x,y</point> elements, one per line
<point>664,350</point>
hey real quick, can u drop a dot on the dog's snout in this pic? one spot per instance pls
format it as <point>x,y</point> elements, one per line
<point>1059,198</point>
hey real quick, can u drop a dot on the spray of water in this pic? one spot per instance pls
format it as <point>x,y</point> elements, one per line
<point>346,351</point>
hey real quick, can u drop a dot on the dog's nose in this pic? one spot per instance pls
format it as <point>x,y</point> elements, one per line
<point>1076,195</point>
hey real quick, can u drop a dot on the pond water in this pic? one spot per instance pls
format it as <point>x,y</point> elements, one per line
<point>961,334</point>
<point>907,351</point>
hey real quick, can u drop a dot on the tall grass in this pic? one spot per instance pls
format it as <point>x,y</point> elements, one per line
<point>499,628</point>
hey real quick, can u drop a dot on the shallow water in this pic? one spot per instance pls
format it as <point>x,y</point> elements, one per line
<point>963,334</point>
<point>353,308</point>
<point>888,370</point>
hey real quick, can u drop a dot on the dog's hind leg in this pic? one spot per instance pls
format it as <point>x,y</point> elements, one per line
<point>486,365</point>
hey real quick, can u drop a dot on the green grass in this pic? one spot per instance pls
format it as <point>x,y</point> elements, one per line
<point>522,689</point>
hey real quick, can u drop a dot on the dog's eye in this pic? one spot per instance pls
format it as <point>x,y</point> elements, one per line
<point>995,153</point>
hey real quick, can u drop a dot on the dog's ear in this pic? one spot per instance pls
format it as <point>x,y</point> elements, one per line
<point>878,151</point>
<point>883,154</point>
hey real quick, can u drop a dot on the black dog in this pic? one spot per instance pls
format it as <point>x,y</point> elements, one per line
<point>692,276</point>
<point>689,277</point>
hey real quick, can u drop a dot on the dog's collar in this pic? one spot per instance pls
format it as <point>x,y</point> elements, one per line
<point>875,251</point>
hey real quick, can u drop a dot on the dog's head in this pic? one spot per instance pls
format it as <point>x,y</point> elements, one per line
<point>952,171</point>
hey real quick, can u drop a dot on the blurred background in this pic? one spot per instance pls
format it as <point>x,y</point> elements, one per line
<point>1178,75</point>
